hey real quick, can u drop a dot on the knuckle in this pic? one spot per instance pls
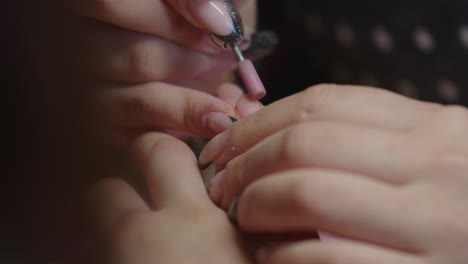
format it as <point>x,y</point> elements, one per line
<point>293,146</point>
<point>300,196</point>
<point>315,99</point>
<point>138,60</point>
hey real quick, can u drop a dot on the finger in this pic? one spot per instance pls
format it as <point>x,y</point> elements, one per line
<point>214,15</point>
<point>103,204</point>
<point>120,55</point>
<point>383,155</point>
<point>333,253</point>
<point>229,93</point>
<point>335,202</point>
<point>246,106</point>
<point>171,171</point>
<point>348,104</point>
<point>156,18</point>
<point>147,107</point>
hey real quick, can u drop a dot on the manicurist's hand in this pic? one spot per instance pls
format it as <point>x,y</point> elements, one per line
<point>176,222</point>
<point>144,65</point>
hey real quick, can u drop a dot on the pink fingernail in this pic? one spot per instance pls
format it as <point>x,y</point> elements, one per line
<point>214,16</point>
<point>214,148</point>
<point>251,80</point>
<point>217,122</point>
<point>216,185</point>
<point>247,106</point>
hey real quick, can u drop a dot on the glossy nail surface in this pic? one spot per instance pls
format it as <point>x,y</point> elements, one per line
<point>215,17</point>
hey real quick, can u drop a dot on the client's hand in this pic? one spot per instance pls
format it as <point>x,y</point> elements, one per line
<point>387,173</point>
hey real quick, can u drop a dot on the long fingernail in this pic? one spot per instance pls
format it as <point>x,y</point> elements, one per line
<point>217,122</point>
<point>214,148</point>
<point>232,212</point>
<point>216,186</point>
<point>214,16</point>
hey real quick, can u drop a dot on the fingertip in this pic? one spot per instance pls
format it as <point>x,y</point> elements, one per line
<point>229,93</point>
<point>246,106</point>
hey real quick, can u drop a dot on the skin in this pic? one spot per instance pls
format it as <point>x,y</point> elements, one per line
<point>135,66</point>
<point>176,222</point>
<point>384,172</point>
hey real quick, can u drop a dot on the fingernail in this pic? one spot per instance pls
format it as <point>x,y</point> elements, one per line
<point>214,16</point>
<point>247,106</point>
<point>217,122</point>
<point>216,186</point>
<point>214,148</point>
<point>251,80</point>
<point>232,212</point>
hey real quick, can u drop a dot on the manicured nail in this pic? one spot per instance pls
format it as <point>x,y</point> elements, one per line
<point>217,122</point>
<point>214,148</point>
<point>216,186</point>
<point>213,15</point>
<point>232,212</point>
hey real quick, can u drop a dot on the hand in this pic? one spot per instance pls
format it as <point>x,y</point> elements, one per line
<point>142,65</point>
<point>385,172</point>
<point>176,222</point>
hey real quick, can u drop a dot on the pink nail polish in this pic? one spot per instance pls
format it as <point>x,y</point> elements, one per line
<point>251,80</point>
<point>214,17</point>
<point>216,186</point>
<point>214,148</point>
<point>217,122</point>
